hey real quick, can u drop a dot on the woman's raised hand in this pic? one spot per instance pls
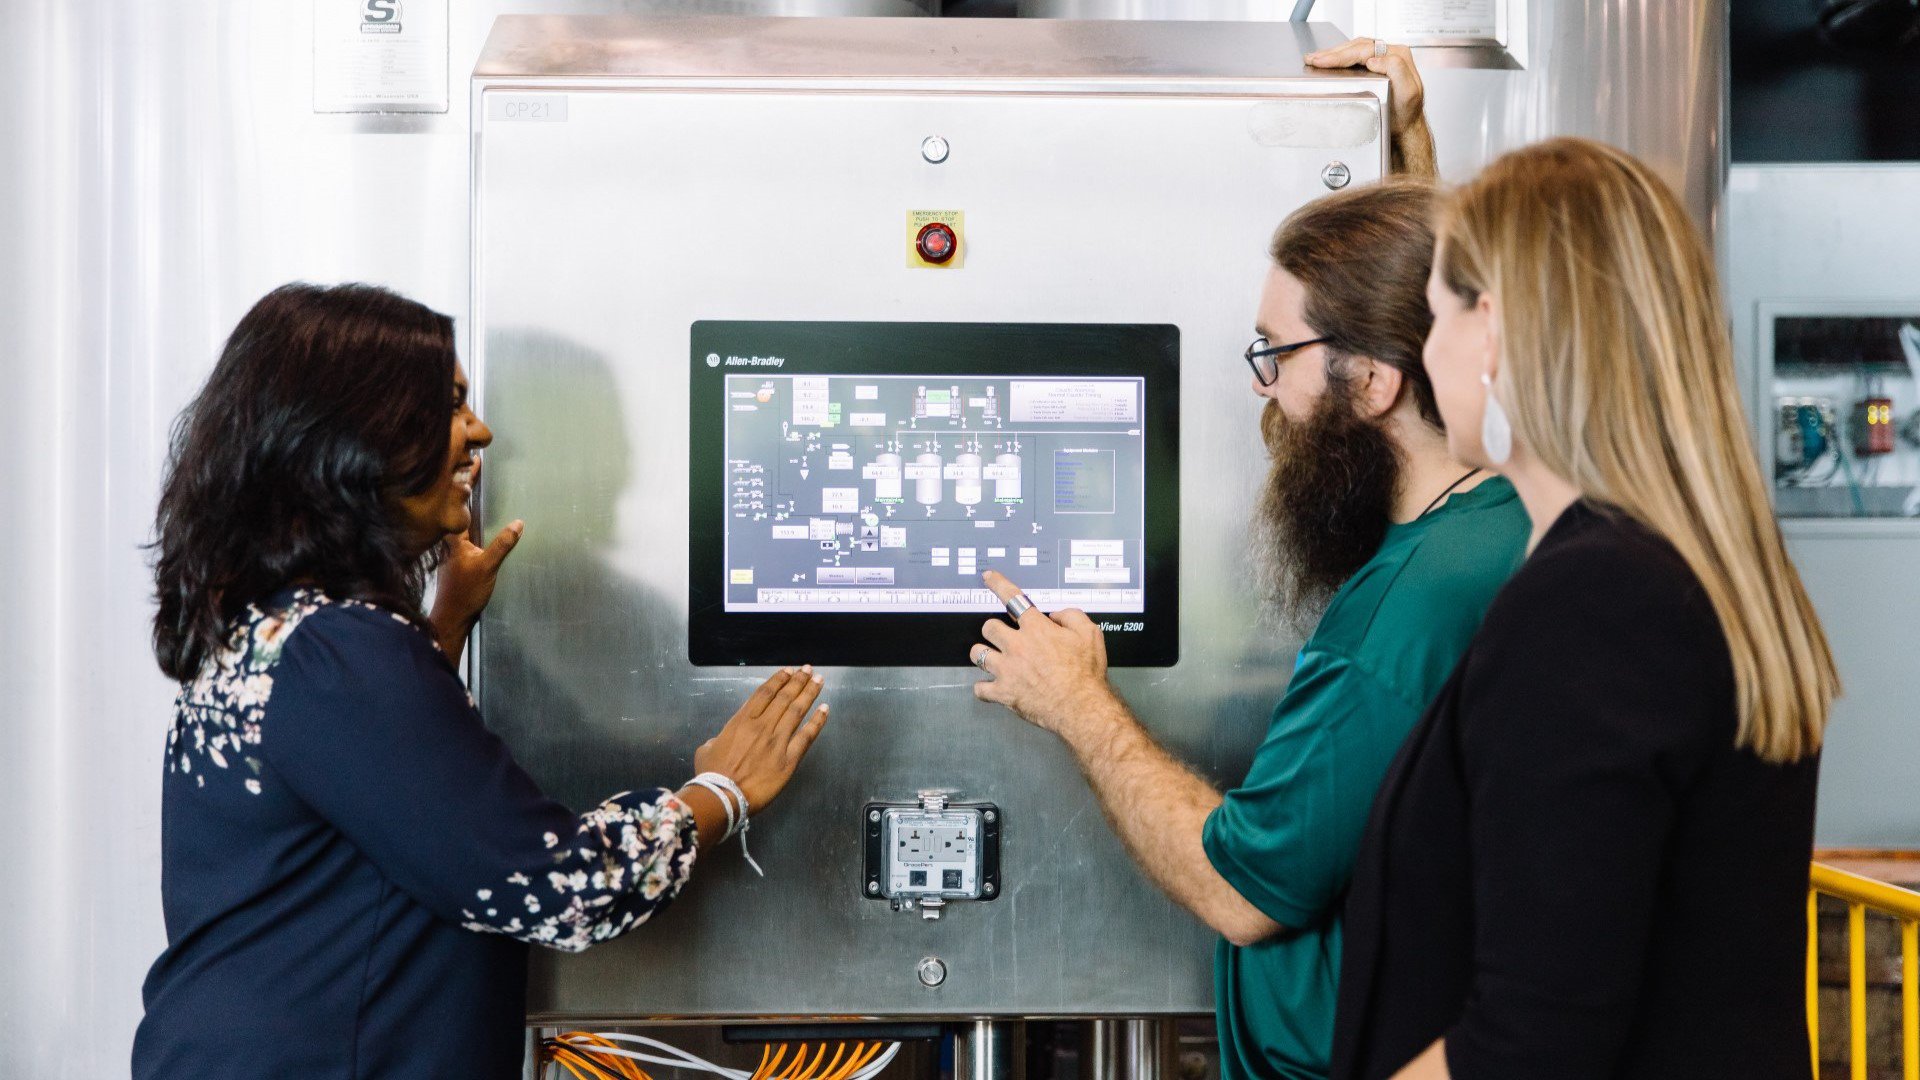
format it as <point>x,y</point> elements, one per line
<point>764,742</point>
<point>465,583</point>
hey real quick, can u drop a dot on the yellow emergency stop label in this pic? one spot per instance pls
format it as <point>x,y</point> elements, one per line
<point>917,222</point>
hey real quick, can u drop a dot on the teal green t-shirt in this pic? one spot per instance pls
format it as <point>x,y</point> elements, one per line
<point>1286,837</point>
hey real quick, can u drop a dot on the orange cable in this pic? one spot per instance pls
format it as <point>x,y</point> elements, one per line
<point>600,1067</point>
<point>564,1053</point>
<point>573,1041</point>
<point>627,1067</point>
<point>773,1070</point>
<point>833,1066</point>
<point>861,1055</point>
<point>869,1051</point>
<point>794,1066</point>
<point>838,1070</point>
<point>571,1058</point>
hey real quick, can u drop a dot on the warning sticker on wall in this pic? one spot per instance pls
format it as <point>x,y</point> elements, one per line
<point>1449,19</point>
<point>379,56</point>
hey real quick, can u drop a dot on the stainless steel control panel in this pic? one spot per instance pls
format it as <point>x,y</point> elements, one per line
<point>749,171</point>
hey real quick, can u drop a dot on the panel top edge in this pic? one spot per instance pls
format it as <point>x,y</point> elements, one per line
<point>758,47</point>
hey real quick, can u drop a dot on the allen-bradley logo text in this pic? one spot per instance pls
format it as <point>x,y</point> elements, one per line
<point>756,361</point>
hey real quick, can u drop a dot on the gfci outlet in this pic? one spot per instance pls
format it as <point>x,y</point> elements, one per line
<point>929,853</point>
<point>950,845</point>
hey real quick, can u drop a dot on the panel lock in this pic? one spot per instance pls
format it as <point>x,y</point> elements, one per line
<point>930,853</point>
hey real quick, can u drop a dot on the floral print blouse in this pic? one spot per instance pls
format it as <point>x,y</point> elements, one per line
<point>351,861</point>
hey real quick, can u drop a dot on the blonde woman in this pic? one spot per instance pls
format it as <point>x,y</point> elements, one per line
<point>1590,858</point>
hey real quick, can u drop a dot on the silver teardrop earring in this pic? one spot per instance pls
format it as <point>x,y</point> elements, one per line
<point>1496,431</point>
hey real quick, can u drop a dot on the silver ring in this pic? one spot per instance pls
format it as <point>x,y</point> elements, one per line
<point>1379,48</point>
<point>979,657</point>
<point>1018,606</point>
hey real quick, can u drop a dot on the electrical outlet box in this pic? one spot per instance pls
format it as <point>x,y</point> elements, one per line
<point>928,853</point>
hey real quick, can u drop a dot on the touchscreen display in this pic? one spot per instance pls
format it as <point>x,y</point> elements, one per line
<point>875,492</point>
<point>851,482</point>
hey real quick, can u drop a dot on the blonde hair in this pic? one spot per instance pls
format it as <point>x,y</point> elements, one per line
<point>1617,367</point>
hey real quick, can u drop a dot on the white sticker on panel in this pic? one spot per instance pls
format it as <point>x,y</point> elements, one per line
<point>373,56</point>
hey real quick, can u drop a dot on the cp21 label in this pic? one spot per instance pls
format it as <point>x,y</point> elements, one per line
<point>548,108</point>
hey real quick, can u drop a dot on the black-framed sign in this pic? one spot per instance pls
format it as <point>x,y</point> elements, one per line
<point>850,482</point>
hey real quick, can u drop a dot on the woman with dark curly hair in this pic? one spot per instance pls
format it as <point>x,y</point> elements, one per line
<point>352,864</point>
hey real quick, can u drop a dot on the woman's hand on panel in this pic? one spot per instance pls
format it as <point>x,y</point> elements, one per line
<point>763,743</point>
<point>464,584</point>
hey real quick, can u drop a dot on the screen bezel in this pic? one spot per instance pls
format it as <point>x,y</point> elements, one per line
<point>716,637</point>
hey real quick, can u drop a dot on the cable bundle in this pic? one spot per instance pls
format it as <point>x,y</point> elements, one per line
<point>599,1056</point>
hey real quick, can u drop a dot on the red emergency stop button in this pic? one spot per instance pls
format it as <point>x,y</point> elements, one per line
<point>936,242</point>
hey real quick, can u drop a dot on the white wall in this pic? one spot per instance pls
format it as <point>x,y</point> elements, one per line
<point>160,169</point>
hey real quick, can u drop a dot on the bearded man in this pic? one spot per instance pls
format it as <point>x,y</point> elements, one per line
<point>1369,536</point>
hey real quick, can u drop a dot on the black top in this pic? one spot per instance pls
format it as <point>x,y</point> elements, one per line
<point>1569,870</point>
<point>352,864</point>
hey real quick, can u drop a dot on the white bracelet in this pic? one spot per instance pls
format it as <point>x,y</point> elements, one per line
<point>729,792</point>
<point>726,802</point>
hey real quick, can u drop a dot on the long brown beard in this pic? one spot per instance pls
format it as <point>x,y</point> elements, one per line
<point>1325,506</point>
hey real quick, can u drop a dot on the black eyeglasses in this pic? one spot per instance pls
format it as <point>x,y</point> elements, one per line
<point>1265,359</point>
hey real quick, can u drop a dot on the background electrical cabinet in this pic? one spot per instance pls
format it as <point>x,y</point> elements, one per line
<point>1840,421</point>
